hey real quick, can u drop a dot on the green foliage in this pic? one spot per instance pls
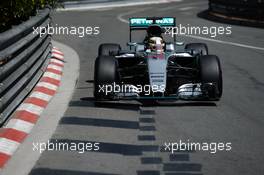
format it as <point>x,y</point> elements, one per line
<point>14,12</point>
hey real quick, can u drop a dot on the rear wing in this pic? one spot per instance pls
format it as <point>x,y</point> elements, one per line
<point>142,23</point>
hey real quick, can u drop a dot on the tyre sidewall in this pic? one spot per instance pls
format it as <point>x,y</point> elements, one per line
<point>210,72</point>
<point>108,48</point>
<point>105,74</point>
<point>198,47</point>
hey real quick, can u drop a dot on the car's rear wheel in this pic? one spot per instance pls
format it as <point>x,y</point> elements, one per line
<point>210,72</point>
<point>108,49</point>
<point>105,74</point>
<point>198,48</point>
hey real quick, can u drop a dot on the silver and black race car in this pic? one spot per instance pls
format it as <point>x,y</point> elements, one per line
<point>155,69</point>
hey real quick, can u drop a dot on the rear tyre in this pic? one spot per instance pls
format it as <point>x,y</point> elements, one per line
<point>210,72</point>
<point>198,48</point>
<point>105,73</point>
<point>108,49</point>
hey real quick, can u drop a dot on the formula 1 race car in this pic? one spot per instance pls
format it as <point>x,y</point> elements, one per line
<point>155,69</point>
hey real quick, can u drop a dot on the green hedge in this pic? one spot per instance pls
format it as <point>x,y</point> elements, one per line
<point>14,12</point>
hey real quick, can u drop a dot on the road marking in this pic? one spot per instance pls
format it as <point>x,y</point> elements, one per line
<point>56,62</point>
<point>40,95</point>
<point>56,55</point>
<point>181,5</point>
<point>52,75</point>
<point>54,71</point>
<point>59,68</point>
<point>47,85</point>
<point>121,18</point>
<point>26,116</point>
<point>103,9</point>
<point>85,1</point>
<point>45,90</point>
<point>226,42</point>
<point>186,8</point>
<point>147,133</point>
<point>122,4</point>
<point>30,108</point>
<point>36,101</point>
<point>20,125</point>
<point>8,146</point>
<point>13,134</point>
<point>54,50</point>
<point>50,80</point>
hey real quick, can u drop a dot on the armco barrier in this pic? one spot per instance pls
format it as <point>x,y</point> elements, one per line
<point>23,58</point>
<point>23,119</point>
<point>250,9</point>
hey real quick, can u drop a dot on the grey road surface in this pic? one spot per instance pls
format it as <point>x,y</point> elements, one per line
<point>132,136</point>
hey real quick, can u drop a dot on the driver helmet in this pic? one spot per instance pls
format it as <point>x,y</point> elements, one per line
<point>156,44</point>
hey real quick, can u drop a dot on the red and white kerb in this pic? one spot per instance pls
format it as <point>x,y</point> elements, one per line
<point>27,114</point>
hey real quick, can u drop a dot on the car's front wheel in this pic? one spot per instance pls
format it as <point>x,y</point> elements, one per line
<point>108,49</point>
<point>198,48</point>
<point>210,72</point>
<point>105,75</point>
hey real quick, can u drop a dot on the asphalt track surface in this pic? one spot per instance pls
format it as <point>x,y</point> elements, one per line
<point>131,135</point>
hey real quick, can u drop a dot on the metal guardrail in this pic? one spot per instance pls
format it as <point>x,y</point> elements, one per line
<point>251,9</point>
<point>23,59</point>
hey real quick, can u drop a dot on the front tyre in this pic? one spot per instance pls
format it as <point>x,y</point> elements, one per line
<point>210,72</point>
<point>198,48</point>
<point>108,49</point>
<point>105,73</point>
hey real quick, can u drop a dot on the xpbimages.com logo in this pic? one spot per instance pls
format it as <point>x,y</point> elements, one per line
<point>56,145</point>
<point>80,31</point>
<point>197,30</point>
<point>188,145</point>
<point>127,88</point>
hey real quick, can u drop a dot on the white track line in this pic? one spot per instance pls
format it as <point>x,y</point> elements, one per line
<point>226,42</point>
<point>122,4</point>
<point>186,8</point>
<point>121,18</point>
<point>181,6</point>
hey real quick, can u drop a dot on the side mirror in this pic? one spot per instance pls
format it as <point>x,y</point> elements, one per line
<point>131,44</point>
